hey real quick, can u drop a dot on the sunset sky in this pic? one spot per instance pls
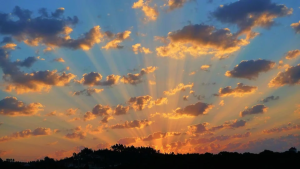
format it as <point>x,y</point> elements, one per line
<point>183,76</point>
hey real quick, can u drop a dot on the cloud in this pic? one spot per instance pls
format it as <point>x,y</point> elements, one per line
<point>222,103</point>
<point>121,110</point>
<point>194,109</point>
<point>11,106</point>
<point>137,78</point>
<point>59,60</point>
<point>106,119</point>
<point>9,46</point>
<point>71,111</point>
<point>244,69</point>
<point>257,109</point>
<point>26,134</point>
<point>128,140</point>
<point>151,13</point>
<point>87,92</point>
<point>98,110</point>
<point>205,67</point>
<point>76,135</point>
<point>52,31</point>
<point>217,138</point>
<point>239,91</point>
<point>200,39</point>
<point>296,27</point>
<point>267,99</point>
<point>203,128</point>
<point>185,98</point>
<point>179,87</point>
<point>30,82</point>
<point>6,39</point>
<point>48,49</point>
<point>142,102</point>
<point>74,119</point>
<point>118,38</point>
<point>249,14</point>
<point>53,113</point>
<point>292,54</point>
<point>291,76</point>
<point>138,124</point>
<point>283,128</point>
<point>94,79</point>
<point>174,4</point>
<point>138,49</point>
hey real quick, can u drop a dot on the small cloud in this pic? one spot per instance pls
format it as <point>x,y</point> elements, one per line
<point>59,60</point>
<point>257,109</point>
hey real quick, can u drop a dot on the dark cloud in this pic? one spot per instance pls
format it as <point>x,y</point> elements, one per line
<point>292,54</point>
<point>239,91</point>
<point>248,14</point>
<point>174,4</point>
<point>160,135</point>
<point>6,39</point>
<point>11,106</point>
<point>257,109</point>
<point>193,141</point>
<point>198,128</point>
<point>23,82</point>
<point>142,102</point>
<point>245,68</point>
<point>291,76</point>
<point>137,78</point>
<point>200,39</point>
<point>296,27</point>
<point>26,133</point>
<point>194,109</point>
<point>76,135</point>
<point>121,110</point>
<point>98,110</point>
<point>185,98</point>
<point>28,62</point>
<point>283,128</point>
<point>138,124</point>
<point>106,119</point>
<point>94,79</point>
<point>128,140</point>
<point>51,31</point>
<point>87,92</point>
<point>267,99</point>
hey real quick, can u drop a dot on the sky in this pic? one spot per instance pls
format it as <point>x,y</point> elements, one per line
<point>183,76</point>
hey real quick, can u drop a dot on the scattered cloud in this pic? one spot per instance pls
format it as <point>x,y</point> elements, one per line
<point>283,128</point>
<point>94,79</point>
<point>249,14</point>
<point>179,87</point>
<point>151,13</point>
<point>138,124</point>
<point>194,109</point>
<point>118,38</point>
<point>257,109</point>
<point>292,54</point>
<point>26,134</point>
<point>175,4</point>
<point>137,78</point>
<point>121,110</point>
<point>59,60</point>
<point>87,92</point>
<point>239,91</point>
<point>267,99</point>
<point>11,106</point>
<point>296,27</point>
<point>291,76</point>
<point>205,67</point>
<point>137,48</point>
<point>200,39</point>
<point>244,69</point>
<point>76,135</point>
<point>71,111</point>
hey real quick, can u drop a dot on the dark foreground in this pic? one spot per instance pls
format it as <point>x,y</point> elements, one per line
<point>121,157</point>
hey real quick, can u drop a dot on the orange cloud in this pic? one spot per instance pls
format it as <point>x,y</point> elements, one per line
<point>239,91</point>
<point>10,106</point>
<point>137,78</point>
<point>138,124</point>
<point>287,77</point>
<point>138,49</point>
<point>150,12</point>
<point>257,109</point>
<point>26,133</point>
<point>179,87</point>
